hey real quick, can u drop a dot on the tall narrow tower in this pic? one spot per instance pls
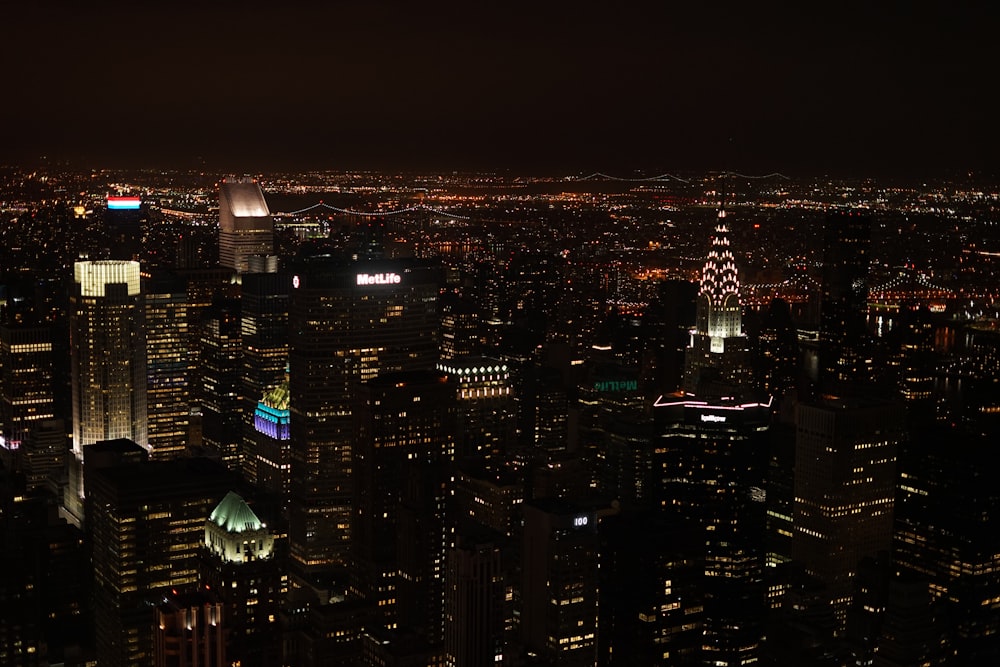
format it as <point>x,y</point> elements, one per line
<point>245,225</point>
<point>717,354</point>
<point>108,363</point>
<point>108,351</point>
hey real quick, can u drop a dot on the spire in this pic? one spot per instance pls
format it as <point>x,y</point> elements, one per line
<point>719,276</point>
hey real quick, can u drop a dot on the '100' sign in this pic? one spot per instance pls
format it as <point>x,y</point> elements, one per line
<point>378,278</point>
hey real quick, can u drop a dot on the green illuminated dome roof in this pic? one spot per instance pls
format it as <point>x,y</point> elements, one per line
<point>234,515</point>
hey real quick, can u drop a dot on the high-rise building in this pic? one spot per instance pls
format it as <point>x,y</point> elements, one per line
<point>108,364</point>
<point>245,224</point>
<point>190,629</point>
<point>711,460</point>
<point>269,445</point>
<point>474,616</point>
<point>559,582</point>
<point>405,424</point>
<point>652,606</point>
<point>168,401</point>
<point>221,388</point>
<point>843,335</point>
<point>845,485</point>
<point>108,347</point>
<point>716,359</point>
<point>26,380</point>
<point>350,320</point>
<point>264,336</point>
<point>486,420</point>
<point>146,523</point>
<point>124,220</point>
<point>240,564</point>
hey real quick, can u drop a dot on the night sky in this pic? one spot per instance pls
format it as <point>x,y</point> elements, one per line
<point>544,87</point>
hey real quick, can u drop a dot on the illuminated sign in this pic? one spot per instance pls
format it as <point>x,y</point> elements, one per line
<point>580,521</point>
<point>616,385</point>
<point>713,418</point>
<point>124,203</point>
<point>296,282</point>
<point>378,278</point>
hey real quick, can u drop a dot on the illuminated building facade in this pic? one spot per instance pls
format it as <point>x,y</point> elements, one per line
<point>350,320</point>
<point>264,337</point>
<point>486,417</point>
<point>559,582</point>
<point>190,630</point>
<point>270,443</point>
<point>146,523</point>
<point>108,348</point>
<point>107,364</point>
<point>124,220</point>
<point>710,458</point>
<point>241,566</point>
<point>245,224</point>
<point>845,485</point>
<point>221,382</point>
<point>26,380</point>
<point>717,355</point>
<point>168,391</point>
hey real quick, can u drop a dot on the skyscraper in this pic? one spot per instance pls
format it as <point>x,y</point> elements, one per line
<point>245,224</point>
<point>146,522</point>
<point>168,392</point>
<point>349,321</point>
<point>108,363</point>
<point>108,349</point>
<point>240,563</point>
<point>717,355</point>
<point>26,380</point>
<point>843,336</point>
<point>264,336</point>
<point>405,425</point>
<point>845,485</point>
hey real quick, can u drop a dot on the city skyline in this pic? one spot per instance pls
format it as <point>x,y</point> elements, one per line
<point>868,90</point>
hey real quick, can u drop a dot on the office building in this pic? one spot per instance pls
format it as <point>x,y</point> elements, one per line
<point>168,395</point>
<point>845,485</point>
<point>190,629</point>
<point>26,380</point>
<point>146,527</point>
<point>125,219</point>
<point>710,459</point>
<point>107,364</point>
<point>221,391</point>
<point>405,424</point>
<point>475,586</point>
<point>844,354</point>
<point>245,224</point>
<point>264,337</point>
<point>108,348</point>
<point>350,320</point>
<point>486,419</point>
<point>240,564</point>
<point>559,582</point>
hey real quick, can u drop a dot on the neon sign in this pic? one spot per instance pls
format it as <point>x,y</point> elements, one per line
<point>580,521</point>
<point>713,418</point>
<point>616,385</point>
<point>124,203</point>
<point>378,278</point>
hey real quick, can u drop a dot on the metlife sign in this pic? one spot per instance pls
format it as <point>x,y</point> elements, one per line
<point>378,279</point>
